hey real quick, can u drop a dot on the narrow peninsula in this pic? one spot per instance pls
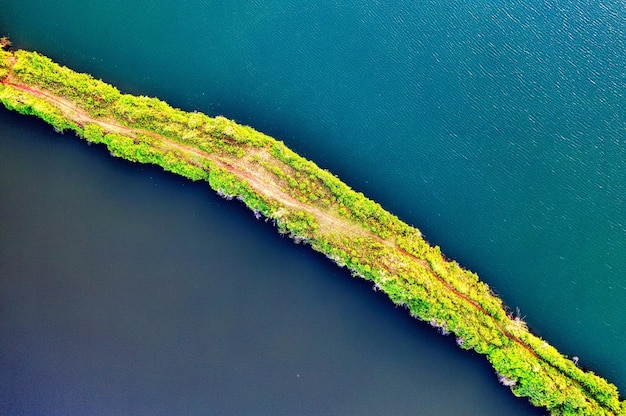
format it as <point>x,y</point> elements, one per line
<point>314,207</point>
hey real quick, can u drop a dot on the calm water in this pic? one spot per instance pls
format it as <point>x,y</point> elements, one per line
<point>497,128</point>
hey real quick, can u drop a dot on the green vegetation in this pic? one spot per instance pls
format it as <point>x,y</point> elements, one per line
<point>312,205</point>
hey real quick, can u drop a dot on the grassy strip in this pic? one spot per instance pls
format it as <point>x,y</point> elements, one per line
<point>311,205</point>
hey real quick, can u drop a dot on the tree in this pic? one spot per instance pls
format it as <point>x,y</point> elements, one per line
<point>5,43</point>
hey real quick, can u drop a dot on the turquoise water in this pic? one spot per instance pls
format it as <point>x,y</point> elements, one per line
<point>497,128</point>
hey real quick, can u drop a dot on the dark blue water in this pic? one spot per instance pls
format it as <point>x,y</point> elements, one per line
<point>497,128</point>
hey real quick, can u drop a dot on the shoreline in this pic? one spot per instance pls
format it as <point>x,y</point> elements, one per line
<point>311,205</point>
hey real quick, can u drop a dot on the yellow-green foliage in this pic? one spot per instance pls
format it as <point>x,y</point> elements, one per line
<point>229,185</point>
<point>4,63</point>
<point>29,105</point>
<point>39,70</point>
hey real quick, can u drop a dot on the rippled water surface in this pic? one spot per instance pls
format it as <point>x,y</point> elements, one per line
<point>497,128</point>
